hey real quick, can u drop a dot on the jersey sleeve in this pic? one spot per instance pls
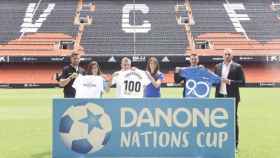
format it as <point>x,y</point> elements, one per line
<point>103,84</point>
<point>115,77</point>
<point>77,82</point>
<point>185,72</point>
<point>215,79</point>
<point>146,79</point>
<point>64,74</point>
<point>161,76</point>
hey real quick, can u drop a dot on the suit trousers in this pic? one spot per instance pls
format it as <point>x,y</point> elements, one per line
<point>236,119</point>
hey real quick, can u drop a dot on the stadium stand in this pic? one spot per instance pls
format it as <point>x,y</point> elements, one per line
<point>44,74</point>
<point>237,24</point>
<point>39,35</point>
<point>106,36</point>
<point>11,16</point>
<point>61,19</point>
<point>36,28</point>
<point>28,73</point>
<point>262,74</point>
<point>39,44</point>
<point>210,16</point>
<point>237,42</point>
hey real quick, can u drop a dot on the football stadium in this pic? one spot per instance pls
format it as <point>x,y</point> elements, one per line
<point>38,38</point>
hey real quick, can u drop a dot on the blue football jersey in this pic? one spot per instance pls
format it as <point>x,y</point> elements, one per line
<point>198,81</point>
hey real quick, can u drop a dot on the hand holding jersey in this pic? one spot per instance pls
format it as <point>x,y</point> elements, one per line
<point>73,75</point>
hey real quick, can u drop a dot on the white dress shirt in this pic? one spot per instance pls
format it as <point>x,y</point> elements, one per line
<point>225,72</point>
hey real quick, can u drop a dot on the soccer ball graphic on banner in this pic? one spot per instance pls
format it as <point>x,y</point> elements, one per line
<point>85,129</point>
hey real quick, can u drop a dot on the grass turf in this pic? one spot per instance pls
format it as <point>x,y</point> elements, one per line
<point>25,122</point>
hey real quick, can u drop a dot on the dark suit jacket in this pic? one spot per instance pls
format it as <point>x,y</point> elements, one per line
<point>69,91</point>
<point>236,75</point>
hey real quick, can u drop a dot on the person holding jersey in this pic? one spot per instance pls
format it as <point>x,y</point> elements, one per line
<point>197,79</point>
<point>130,82</point>
<point>91,85</point>
<point>69,74</point>
<point>156,77</point>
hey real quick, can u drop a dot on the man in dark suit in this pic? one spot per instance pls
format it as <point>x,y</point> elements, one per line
<point>69,74</point>
<point>232,78</point>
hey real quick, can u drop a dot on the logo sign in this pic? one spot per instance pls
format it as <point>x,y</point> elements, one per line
<point>198,89</point>
<point>165,59</point>
<point>235,17</point>
<point>273,59</point>
<point>4,59</point>
<point>127,27</point>
<point>139,59</point>
<point>191,128</point>
<point>29,23</point>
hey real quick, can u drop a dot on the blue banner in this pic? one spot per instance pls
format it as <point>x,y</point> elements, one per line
<point>190,128</point>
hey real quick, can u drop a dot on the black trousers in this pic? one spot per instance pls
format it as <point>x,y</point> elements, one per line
<point>236,119</point>
<point>69,95</point>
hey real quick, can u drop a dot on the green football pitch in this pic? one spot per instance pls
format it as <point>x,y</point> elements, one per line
<point>26,122</point>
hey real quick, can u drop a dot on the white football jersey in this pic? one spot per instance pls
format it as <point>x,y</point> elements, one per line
<point>88,86</point>
<point>130,83</point>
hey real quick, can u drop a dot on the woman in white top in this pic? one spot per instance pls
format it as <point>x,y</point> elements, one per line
<point>92,85</point>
